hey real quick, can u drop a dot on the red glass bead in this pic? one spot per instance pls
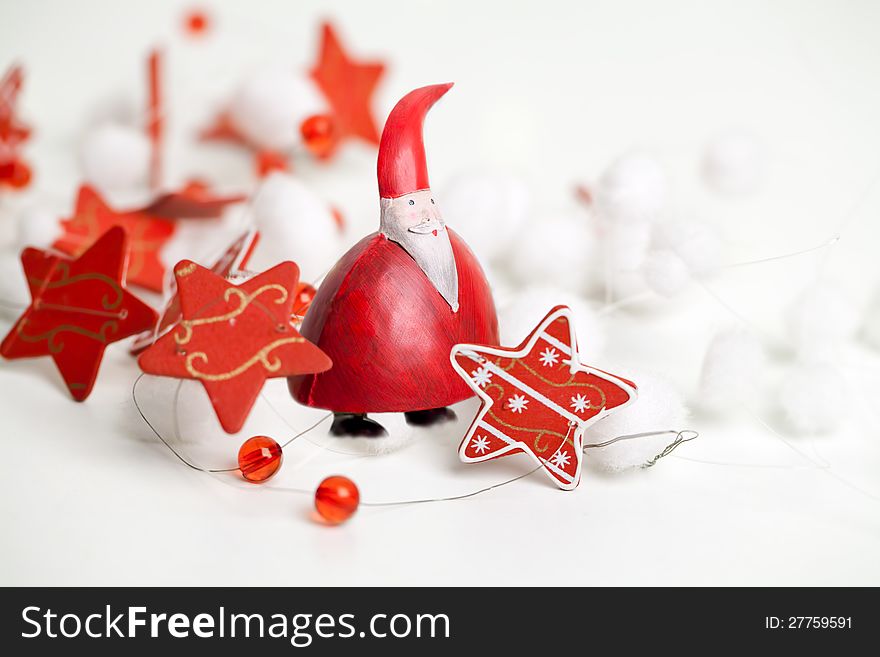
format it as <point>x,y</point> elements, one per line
<point>15,173</point>
<point>337,499</point>
<point>319,134</point>
<point>259,458</point>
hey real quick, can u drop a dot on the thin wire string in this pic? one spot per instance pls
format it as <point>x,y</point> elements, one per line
<point>681,437</point>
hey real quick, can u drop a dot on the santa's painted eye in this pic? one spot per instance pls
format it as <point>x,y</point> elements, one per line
<point>432,201</point>
<point>411,202</point>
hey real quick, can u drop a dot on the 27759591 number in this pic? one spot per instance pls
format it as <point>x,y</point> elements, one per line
<point>808,623</point>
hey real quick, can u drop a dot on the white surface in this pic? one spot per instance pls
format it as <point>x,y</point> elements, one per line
<point>89,497</point>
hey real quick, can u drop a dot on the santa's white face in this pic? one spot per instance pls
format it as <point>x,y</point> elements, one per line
<point>414,222</point>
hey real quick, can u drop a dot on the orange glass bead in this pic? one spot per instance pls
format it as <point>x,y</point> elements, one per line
<point>319,134</point>
<point>337,499</point>
<point>259,458</point>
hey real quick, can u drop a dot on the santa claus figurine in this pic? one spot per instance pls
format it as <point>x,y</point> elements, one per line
<point>391,309</point>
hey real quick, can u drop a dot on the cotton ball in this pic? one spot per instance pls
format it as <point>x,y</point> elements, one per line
<point>517,319</point>
<point>270,105</point>
<point>558,251</point>
<point>733,369</point>
<point>488,210</point>
<point>116,157</point>
<point>14,295</point>
<point>626,245</point>
<point>294,224</point>
<point>36,227</point>
<point>697,243</point>
<point>871,324</point>
<point>812,397</point>
<point>820,319</point>
<point>658,407</point>
<point>623,248</point>
<point>633,188</point>
<point>733,164</point>
<point>665,272</point>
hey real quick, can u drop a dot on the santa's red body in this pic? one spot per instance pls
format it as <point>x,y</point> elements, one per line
<point>389,331</point>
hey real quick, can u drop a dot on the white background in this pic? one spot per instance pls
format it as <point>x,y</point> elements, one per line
<point>553,91</point>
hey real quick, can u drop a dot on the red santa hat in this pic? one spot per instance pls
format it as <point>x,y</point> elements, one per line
<point>402,167</point>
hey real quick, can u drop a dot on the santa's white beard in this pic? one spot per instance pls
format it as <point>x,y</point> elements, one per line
<point>433,254</point>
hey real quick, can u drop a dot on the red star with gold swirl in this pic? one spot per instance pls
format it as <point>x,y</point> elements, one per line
<point>538,399</point>
<point>231,338</point>
<point>78,308</point>
<point>147,235</point>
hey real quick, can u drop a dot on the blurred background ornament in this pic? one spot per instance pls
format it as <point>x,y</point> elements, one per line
<point>14,171</point>
<point>280,114</point>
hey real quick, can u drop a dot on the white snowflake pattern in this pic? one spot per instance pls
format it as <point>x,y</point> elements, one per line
<point>580,403</point>
<point>480,444</point>
<point>482,376</point>
<point>518,403</point>
<point>560,459</point>
<point>549,357</point>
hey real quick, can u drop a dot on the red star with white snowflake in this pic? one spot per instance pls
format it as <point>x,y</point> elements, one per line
<point>147,235</point>
<point>232,338</point>
<point>78,307</point>
<point>538,399</point>
<point>348,86</point>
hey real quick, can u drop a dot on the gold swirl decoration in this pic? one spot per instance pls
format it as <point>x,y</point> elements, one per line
<point>55,347</point>
<point>262,356</point>
<point>244,300</point>
<point>66,280</point>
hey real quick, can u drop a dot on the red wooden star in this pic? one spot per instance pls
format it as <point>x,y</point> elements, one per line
<point>233,260</point>
<point>538,399</point>
<point>232,338</point>
<point>79,307</point>
<point>348,86</point>
<point>147,235</point>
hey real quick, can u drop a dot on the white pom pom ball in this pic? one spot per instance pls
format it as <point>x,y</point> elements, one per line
<point>633,188</point>
<point>521,315</point>
<point>733,164</point>
<point>116,158</point>
<point>558,250</point>
<point>294,224</point>
<point>697,243</point>
<point>665,272</point>
<point>820,320</point>
<point>812,397</point>
<point>732,372</point>
<point>487,209</point>
<point>37,227</point>
<point>270,105</point>
<point>658,407</point>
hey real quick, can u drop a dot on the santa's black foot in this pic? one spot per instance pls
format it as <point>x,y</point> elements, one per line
<point>430,417</point>
<point>356,425</point>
